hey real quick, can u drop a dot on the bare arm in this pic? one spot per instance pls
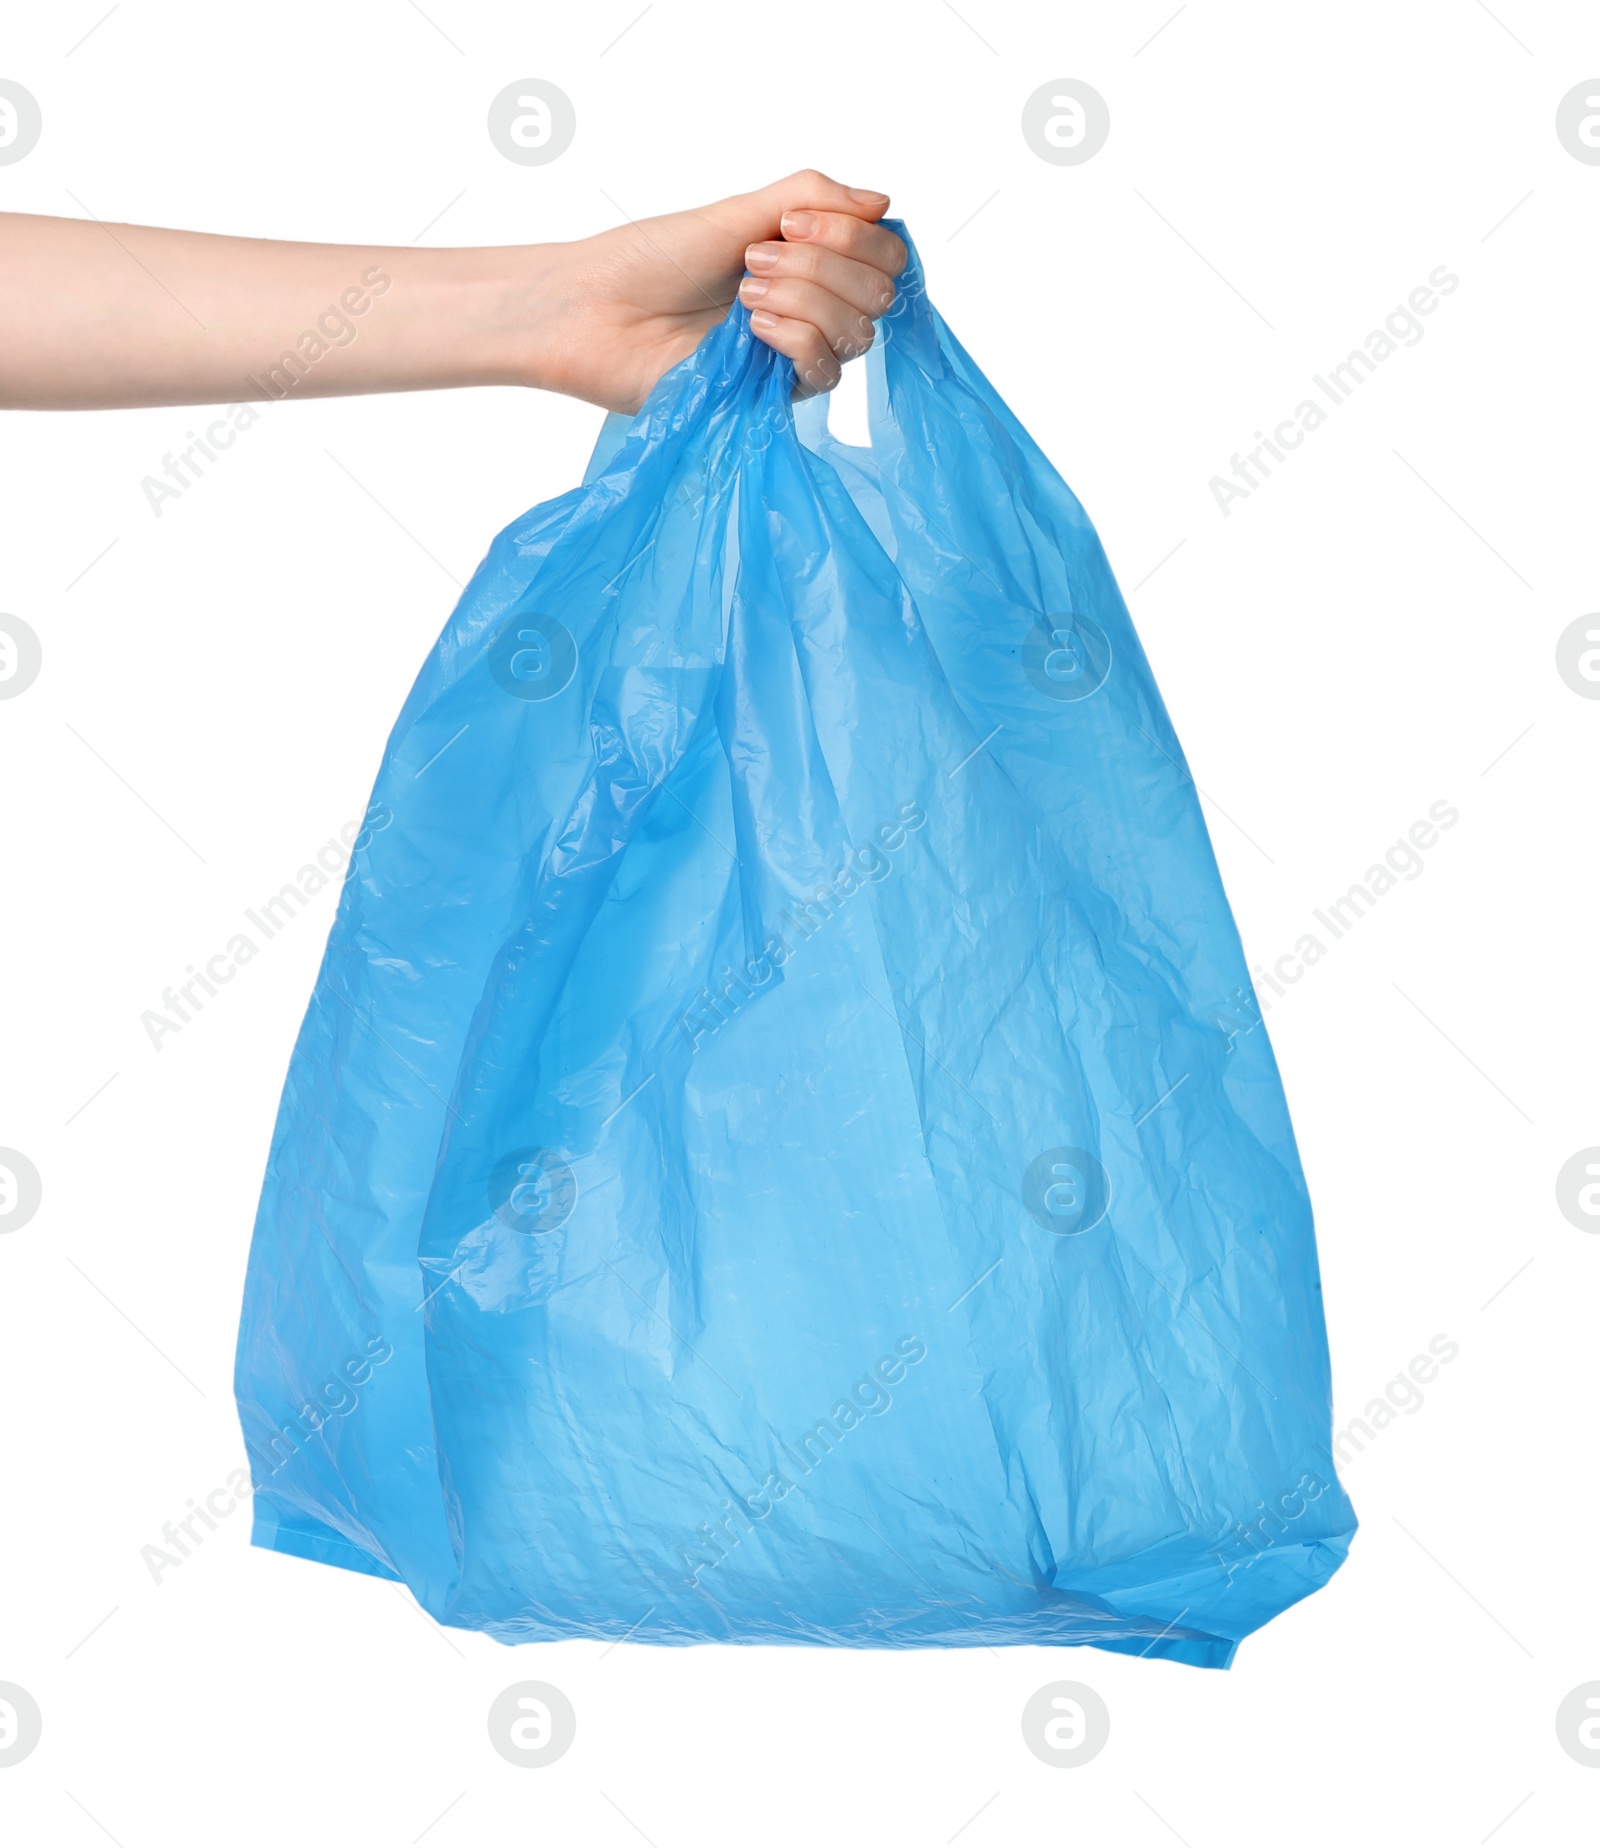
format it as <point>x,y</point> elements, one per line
<point>95,315</point>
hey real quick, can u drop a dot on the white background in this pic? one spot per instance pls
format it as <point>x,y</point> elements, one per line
<point>1362,637</point>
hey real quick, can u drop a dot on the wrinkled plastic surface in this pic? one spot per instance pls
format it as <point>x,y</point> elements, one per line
<point>779,1150</point>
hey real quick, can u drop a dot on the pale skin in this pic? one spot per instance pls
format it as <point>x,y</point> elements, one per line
<point>96,316</point>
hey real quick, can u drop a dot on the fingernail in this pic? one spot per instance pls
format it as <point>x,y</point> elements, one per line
<point>799,224</point>
<point>752,288</point>
<point>760,257</point>
<point>762,321</point>
<point>867,198</point>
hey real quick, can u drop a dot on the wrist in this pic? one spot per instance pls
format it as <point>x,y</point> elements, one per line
<point>521,315</point>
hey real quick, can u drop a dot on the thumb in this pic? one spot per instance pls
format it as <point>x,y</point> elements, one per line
<point>753,216</point>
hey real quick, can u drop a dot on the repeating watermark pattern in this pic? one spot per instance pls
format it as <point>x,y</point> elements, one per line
<point>21,656</point>
<point>1066,1724</point>
<point>1066,657</point>
<point>20,122</point>
<point>1577,656</point>
<point>532,122</point>
<point>713,1008</point>
<point>337,1398</point>
<point>900,312</point>
<point>869,1397</point>
<point>21,1724</point>
<point>1403,1394</point>
<point>1577,1189</point>
<point>186,468</point>
<point>216,1507</point>
<point>1249,1540</point>
<point>1402,864</point>
<point>533,1190</point>
<point>1402,326</point>
<point>1578,121</point>
<point>535,658</point>
<point>1066,1190</point>
<point>21,1190</point>
<point>531,1723</point>
<point>293,366</point>
<point>181,1003</point>
<point>1066,122</point>
<point>1578,1721</point>
<point>756,435</point>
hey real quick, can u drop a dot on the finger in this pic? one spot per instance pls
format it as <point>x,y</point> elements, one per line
<point>847,332</point>
<point>816,368</point>
<point>810,190</point>
<point>758,214</point>
<point>846,235</point>
<point>867,290</point>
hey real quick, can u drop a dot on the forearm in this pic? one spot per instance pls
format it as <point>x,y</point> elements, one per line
<point>98,315</point>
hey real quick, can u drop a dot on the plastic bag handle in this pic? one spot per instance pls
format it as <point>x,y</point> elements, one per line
<point>732,360</point>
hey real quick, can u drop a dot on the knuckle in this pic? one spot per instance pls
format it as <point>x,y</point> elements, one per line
<point>855,340</point>
<point>820,368</point>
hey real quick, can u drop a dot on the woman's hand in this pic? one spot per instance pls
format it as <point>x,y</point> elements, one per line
<point>621,308</point>
<point>95,315</point>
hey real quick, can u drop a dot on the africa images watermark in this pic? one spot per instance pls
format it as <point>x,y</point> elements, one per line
<point>711,1010</point>
<point>1402,863</point>
<point>1401,327</point>
<point>220,434</point>
<point>1267,1526</point>
<point>869,1395</point>
<point>181,1002</point>
<point>334,327</point>
<point>337,1398</point>
<point>1402,1394</point>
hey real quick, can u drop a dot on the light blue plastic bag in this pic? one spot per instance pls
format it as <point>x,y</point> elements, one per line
<point>781,1149</point>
